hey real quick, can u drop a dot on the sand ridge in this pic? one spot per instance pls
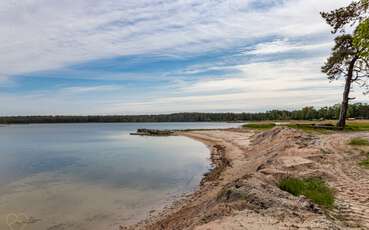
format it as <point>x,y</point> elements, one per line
<point>241,192</point>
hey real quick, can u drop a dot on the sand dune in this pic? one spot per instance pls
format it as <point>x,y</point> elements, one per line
<point>241,192</point>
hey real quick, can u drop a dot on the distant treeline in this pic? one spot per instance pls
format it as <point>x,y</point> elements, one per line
<point>358,110</point>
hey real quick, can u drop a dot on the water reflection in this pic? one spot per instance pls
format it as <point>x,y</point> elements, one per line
<point>94,176</point>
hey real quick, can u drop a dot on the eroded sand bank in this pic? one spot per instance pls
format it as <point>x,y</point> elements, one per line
<point>241,191</point>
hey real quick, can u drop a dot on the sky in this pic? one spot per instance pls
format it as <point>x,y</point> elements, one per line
<point>81,57</point>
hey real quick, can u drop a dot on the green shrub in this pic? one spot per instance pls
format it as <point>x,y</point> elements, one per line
<point>359,141</point>
<point>312,128</point>
<point>357,126</point>
<point>365,163</point>
<point>313,188</point>
<point>259,125</point>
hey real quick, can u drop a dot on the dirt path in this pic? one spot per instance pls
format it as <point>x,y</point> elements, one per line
<point>241,192</point>
<point>352,182</point>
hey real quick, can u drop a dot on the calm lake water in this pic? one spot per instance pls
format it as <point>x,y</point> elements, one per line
<point>93,176</point>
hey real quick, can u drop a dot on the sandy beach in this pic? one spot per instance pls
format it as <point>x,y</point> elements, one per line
<point>241,191</point>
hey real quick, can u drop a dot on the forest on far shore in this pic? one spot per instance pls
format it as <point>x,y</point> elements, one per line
<point>358,111</point>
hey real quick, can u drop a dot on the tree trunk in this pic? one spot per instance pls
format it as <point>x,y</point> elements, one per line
<point>345,102</point>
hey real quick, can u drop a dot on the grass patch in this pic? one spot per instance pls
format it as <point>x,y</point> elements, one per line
<point>357,126</point>
<point>329,126</point>
<point>312,128</point>
<point>358,141</point>
<point>260,126</point>
<point>326,126</point>
<point>365,163</point>
<point>313,188</point>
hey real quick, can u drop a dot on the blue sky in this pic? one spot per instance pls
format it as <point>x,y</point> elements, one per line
<point>163,56</point>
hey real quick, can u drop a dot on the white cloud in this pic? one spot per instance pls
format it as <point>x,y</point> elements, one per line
<point>282,46</point>
<point>269,79</point>
<point>89,89</point>
<point>41,35</point>
<point>270,76</point>
<point>285,84</point>
<point>4,79</point>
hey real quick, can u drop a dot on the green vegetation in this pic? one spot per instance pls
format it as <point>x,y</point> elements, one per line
<point>349,58</point>
<point>313,188</point>
<point>305,127</point>
<point>327,127</point>
<point>357,126</point>
<point>324,128</point>
<point>260,126</point>
<point>359,110</point>
<point>361,35</point>
<point>358,141</point>
<point>365,163</point>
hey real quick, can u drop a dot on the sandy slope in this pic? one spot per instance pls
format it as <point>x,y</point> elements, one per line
<point>241,192</point>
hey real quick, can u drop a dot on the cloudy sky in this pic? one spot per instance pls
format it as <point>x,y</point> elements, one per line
<point>162,56</point>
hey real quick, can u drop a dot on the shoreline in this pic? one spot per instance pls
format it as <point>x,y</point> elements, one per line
<point>217,160</point>
<point>241,189</point>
